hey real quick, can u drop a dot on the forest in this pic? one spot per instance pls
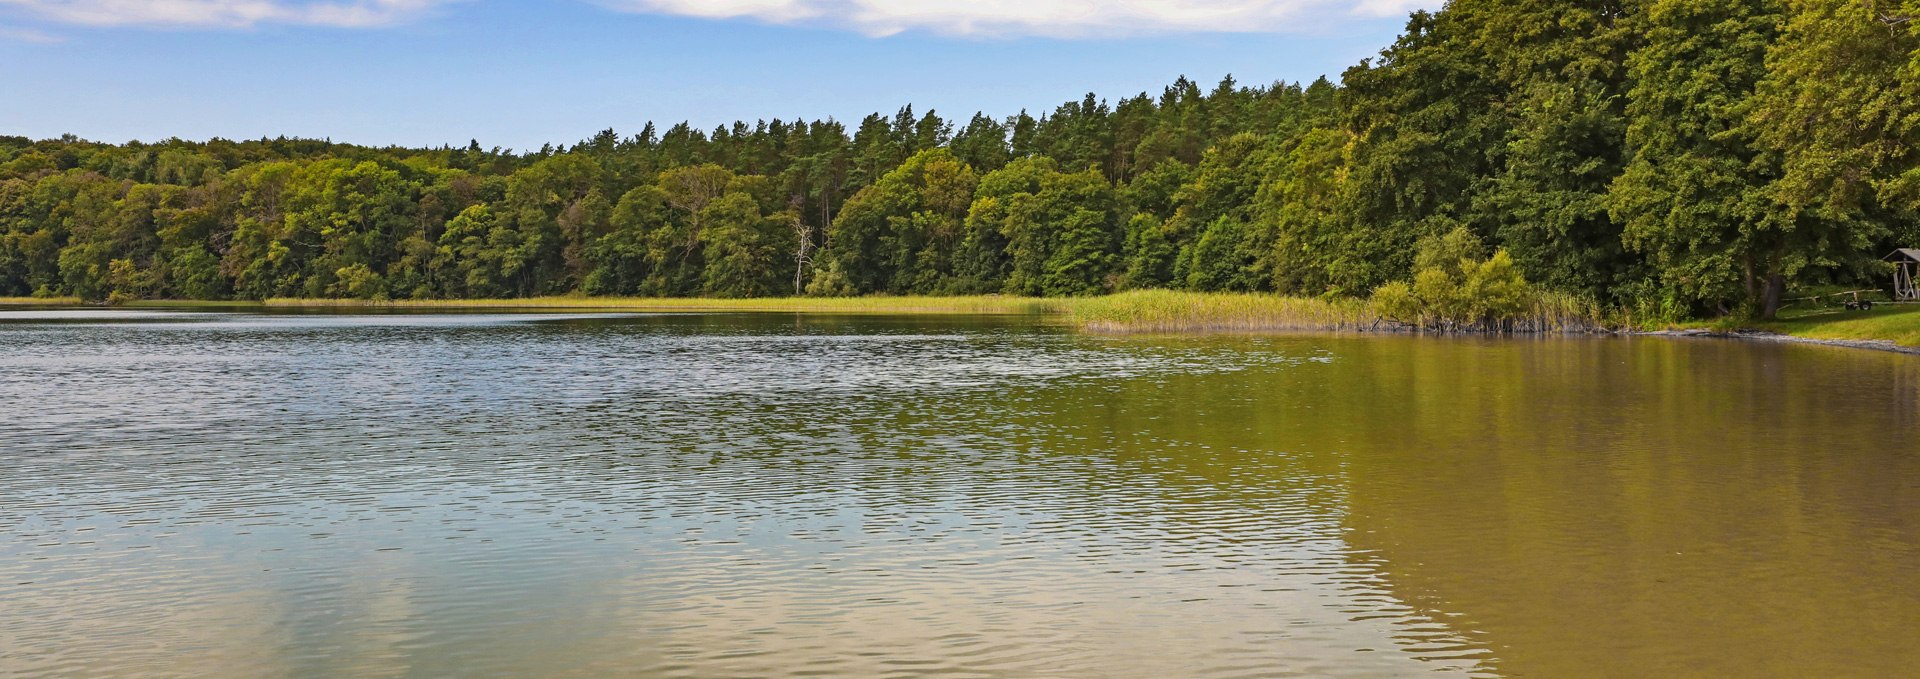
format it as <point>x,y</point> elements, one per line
<point>1682,158</point>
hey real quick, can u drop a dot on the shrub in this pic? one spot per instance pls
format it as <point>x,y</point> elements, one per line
<point>1455,287</point>
<point>1397,301</point>
<point>358,281</point>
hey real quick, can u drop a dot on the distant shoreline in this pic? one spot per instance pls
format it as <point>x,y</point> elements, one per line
<point>1890,328</point>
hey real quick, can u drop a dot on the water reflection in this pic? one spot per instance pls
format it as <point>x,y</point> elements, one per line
<point>769,495</point>
<point>1680,507</point>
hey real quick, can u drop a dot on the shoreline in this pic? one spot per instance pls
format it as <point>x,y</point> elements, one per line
<point>1131,313</point>
<point>1783,338</point>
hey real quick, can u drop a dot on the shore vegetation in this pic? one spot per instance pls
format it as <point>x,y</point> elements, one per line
<point>975,304</point>
<point>40,301</point>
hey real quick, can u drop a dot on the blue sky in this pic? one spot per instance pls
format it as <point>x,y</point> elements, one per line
<point>520,73</point>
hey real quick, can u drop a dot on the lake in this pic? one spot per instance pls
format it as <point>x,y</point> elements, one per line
<point>250,494</point>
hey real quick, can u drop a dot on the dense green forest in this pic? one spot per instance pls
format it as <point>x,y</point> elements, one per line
<point>1676,157</point>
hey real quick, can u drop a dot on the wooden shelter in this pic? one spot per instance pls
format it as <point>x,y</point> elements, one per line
<point>1906,269</point>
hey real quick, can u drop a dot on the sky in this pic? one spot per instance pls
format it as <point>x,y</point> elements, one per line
<point>522,73</point>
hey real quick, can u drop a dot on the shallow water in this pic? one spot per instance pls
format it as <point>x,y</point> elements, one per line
<point>250,495</point>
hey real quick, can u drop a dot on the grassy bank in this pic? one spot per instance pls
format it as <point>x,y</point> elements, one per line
<point>1899,324</point>
<point>39,301</point>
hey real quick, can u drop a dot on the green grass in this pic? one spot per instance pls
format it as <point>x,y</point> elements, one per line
<point>1897,323</point>
<point>39,301</point>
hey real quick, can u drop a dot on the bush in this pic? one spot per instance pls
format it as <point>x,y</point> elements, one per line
<point>358,282</point>
<point>1455,288</point>
<point>830,281</point>
<point>1396,301</point>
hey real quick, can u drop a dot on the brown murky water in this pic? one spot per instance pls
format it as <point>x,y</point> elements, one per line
<point>245,495</point>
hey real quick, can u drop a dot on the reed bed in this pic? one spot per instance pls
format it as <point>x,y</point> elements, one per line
<point>1555,312</point>
<point>981,304</point>
<point>1547,313</point>
<point>1161,311</point>
<point>1141,311</point>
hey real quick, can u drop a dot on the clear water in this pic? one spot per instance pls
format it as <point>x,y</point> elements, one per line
<point>252,495</point>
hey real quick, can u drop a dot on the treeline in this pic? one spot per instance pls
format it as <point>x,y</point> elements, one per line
<point>1671,156</point>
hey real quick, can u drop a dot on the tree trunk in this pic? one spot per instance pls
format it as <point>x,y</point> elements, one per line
<point>1751,280</point>
<point>1770,302</point>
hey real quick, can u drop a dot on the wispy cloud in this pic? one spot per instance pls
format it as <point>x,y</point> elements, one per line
<point>11,34</point>
<point>1049,18</point>
<point>227,13</point>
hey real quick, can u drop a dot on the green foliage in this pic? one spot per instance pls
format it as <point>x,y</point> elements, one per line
<point>1839,106</point>
<point>357,281</point>
<point>1313,249</point>
<point>1694,196</point>
<point>1060,228</point>
<point>899,235</point>
<point>1450,252</point>
<point>742,248</point>
<point>1455,286</point>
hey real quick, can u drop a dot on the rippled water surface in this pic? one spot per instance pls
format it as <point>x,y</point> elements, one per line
<point>249,495</point>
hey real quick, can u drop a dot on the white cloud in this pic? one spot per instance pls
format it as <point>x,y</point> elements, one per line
<point>1051,18</point>
<point>226,13</point>
<point>27,35</point>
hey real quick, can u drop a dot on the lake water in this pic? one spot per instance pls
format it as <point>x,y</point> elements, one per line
<point>250,495</point>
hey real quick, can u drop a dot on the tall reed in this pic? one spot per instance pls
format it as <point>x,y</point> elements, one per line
<point>1168,311</point>
<point>1140,311</point>
<point>981,304</point>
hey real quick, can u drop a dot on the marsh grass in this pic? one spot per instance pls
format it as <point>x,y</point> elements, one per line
<point>1547,313</point>
<point>1555,312</point>
<point>1141,311</point>
<point>39,301</point>
<point>983,304</point>
<point>1150,311</point>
